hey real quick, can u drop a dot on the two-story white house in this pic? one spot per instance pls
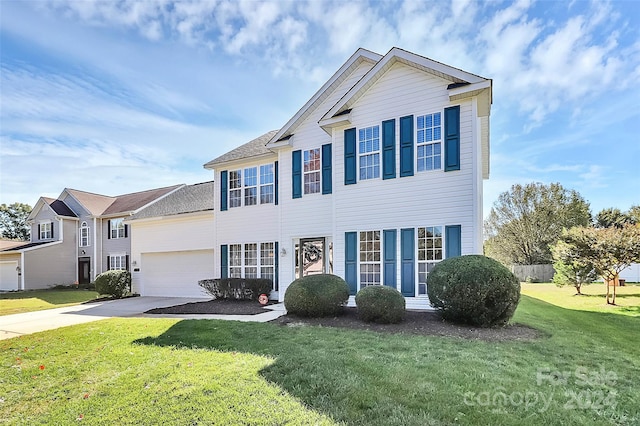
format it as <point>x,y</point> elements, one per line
<point>376,178</point>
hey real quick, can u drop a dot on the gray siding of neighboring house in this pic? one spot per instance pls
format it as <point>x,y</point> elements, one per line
<point>47,266</point>
<point>44,215</point>
<point>113,246</point>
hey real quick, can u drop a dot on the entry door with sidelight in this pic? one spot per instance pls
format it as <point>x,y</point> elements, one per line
<point>311,255</point>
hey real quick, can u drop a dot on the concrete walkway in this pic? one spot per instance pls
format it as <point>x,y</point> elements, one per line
<point>49,319</point>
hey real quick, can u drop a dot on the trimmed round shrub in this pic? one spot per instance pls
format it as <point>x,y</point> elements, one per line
<point>473,290</point>
<point>114,283</point>
<point>381,304</point>
<point>319,295</point>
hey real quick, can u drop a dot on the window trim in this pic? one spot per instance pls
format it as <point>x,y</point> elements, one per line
<point>46,230</point>
<point>379,262</point>
<point>117,221</point>
<point>237,185</point>
<point>318,171</point>
<point>433,142</point>
<point>427,262</point>
<point>242,267</point>
<point>377,172</point>
<point>84,227</point>
<point>122,260</point>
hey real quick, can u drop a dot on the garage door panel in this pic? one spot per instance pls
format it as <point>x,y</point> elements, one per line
<point>175,274</point>
<point>8,276</point>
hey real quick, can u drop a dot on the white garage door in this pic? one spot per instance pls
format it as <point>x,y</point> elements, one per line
<point>8,276</point>
<point>175,273</point>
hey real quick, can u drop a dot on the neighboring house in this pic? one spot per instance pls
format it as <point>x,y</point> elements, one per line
<point>172,243</point>
<point>377,178</point>
<point>74,238</point>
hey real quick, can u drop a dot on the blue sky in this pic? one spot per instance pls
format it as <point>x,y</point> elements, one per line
<point>115,97</point>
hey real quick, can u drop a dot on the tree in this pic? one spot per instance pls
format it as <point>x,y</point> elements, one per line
<point>614,218</point>
<point>609,250</point>
<point>13,221</point>
<point>634,213</point>
<point>570,267</point>
<point>526,220</point>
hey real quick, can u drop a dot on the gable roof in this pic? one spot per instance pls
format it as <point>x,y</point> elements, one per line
<point>131,202</point>
<point>361,55</point>
<point>188,199</point>
<point>461,78</point>
<point>254,148</point>
<point>95,204</point>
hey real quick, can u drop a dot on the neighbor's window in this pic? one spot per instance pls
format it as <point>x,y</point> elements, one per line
<point>266,183</point>
<point>429,142</point>
<point>235,260</point>
<point>250,186</point>
<point>118,262</point>
<point>117,228</point>
<point>311,165</point>
<point>369,258</point>
<point>369,152</point>
<point>235,188</point>
<point>45,231</point>
<point>429,253</point>
<point>84,235</point>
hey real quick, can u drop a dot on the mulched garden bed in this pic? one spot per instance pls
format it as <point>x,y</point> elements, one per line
<point>217,306</point>
<point>423,323</point>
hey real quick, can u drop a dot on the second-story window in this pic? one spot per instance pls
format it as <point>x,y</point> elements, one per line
<point>117,228</point>
<point>235,188</point>
<point>429,130</point>
<point>311,168</point>
<point>250,186</point>
<point>84,235</point>
<point>46,231</point>
<point>369,152</point>
<point>266,184</point>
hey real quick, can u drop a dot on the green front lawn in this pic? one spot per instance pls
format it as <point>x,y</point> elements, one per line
<point>37,300</point>
<point>161,371</point>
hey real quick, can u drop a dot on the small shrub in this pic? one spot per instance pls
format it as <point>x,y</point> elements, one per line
<point>114,283</point>
<point>237,288</point>
<point>474,290</point>
<point>380,304</point>
<point>319,295</point>
<point>532,280</point>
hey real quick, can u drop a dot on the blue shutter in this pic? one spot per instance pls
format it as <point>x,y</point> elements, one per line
<point>326,169</point>
<point>275,266</point>
<point>453,241</point>
<point>389,149</point>
<point>224,195</point>
<point>452,138</point>
<point>351,261</point>
<point>406,146</point>
<point>296,174</point>
<point>224,261</point>
<point>275,182</point>
<point>389,244</point>
<point>407,253</point>
<point>350,164</point>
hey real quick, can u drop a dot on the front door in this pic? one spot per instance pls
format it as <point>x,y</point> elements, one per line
<point>310,253</point>
<point>84,270</point>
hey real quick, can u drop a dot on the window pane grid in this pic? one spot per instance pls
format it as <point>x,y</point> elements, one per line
<point>369,152</point>
<point>430,252</point>
<point>311,166</point>
<point>252,260</point>
<point>429,134</point>
<point>266,184</point>
<point>370,258</point>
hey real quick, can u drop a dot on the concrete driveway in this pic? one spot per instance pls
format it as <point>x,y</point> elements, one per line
<point>49,319</point>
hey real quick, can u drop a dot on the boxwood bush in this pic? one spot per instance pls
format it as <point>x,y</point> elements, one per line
<point>114,283</point>
<point>319,295</point>
<point>236,288</point>
<point>381,304</point>
<point>474,290</point>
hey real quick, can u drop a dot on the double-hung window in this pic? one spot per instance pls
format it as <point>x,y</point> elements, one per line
<point>45,231</point>
<point>235,261</point>
<point>430,252</point>
<point>252,260</point>
<point>369,152</point>
<point>84,235</point>
<point>267,260</point>
<point>117,228</point>
<point>250,186</point>
<point>266,183</point>
<point>370,258</point>
<point>118,262</point>
<point>429,142</point>
<point>311,167</point>
<point>235,188</point>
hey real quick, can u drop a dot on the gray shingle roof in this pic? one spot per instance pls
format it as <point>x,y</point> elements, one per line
<point>130,202</point>
<point>188,199</point>
<point>250,149</point>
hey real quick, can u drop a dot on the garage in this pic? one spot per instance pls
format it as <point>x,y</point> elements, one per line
<point>176,273</point>
<point>8,275</point>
